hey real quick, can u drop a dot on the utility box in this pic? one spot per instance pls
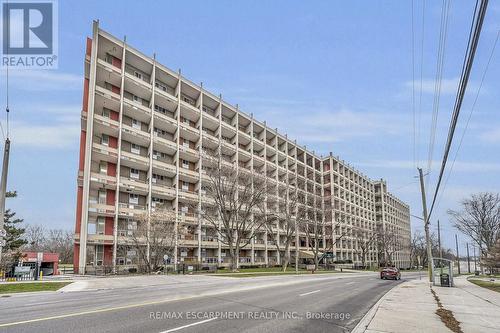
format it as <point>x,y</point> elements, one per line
<point>445,280</point>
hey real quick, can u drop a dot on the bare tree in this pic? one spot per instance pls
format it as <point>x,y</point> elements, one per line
<point>388,243</point>
<point>492,259</point>
<point>40,239</point>
<point>366,241</point>
<point>479,219</point>
<point>289,220</point>
<point>234,203</point>
<point>36,238</point>
<point>154,238</point>
<point>314,228</point>
<point>61,242</point>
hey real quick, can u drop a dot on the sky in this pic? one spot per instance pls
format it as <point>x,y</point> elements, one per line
<point>334,75</point>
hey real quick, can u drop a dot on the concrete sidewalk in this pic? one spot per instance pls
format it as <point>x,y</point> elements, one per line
<point>408,307</point>
<point>411,307</point>
<point>476,308</point>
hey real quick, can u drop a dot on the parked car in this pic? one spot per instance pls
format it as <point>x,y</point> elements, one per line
<point>390,273</point>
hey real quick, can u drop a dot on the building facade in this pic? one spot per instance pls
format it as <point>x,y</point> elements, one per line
<point>144,130</point>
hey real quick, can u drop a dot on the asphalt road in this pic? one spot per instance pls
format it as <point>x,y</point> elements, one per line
<point>326,303</point>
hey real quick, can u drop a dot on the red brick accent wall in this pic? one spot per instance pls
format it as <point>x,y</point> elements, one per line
<point>114,115</point>
<point>88,49</point>
<point>110,197</point>
<point>113,142</point>
<point>108,225</point>
<point>111,169</point>
<point>108,255</point>
<point>85,99</point>
<point>76,258</point>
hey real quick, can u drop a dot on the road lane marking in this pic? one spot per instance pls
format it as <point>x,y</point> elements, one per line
<point>186,326</point>
<point>309,293</point>
<point>350,283</point>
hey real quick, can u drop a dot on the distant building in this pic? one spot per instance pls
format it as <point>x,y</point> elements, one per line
<point>144,128</point>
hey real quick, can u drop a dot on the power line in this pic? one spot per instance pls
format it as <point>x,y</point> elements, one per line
<point>421,80</point>
<point>438,82</point>
<point>413,84</point>
<point>474,35</point>
<point>469,117</point>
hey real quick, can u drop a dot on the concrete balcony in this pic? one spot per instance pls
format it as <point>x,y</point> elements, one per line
<point>134,161</point>
<point>134,185</point>
<point>106,125</point>
<point>164,168</point>
<point>130,210</point>
<point>108,182</point>
<point>102,64</point>
<point>136,105</point>
<point>100,239</point>
<point>171,145</point>
<point>187,217</point>
<point>191,174</point>
<point>107,93</point>
<point>188,195</point>
<point>189,129</point>
<point>135,135</point>
<point>104,153</point>
<point>101,209</point>
<point>163,191</point>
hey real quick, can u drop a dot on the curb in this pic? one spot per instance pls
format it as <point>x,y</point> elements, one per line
<point>363,324</point>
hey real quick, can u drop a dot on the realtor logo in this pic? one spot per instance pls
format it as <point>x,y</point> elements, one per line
<point>29,34</point>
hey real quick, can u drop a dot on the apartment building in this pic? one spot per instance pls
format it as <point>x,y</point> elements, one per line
<point>143,130</point>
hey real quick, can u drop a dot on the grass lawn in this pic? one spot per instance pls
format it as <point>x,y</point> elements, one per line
<point>487,284</point>
<point>9,288</point>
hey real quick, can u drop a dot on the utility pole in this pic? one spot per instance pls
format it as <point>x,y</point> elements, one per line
<point>3,192</point>
<point>439,242</point>
<point>426,227</point>
<point>458,256</point>
<point>475,265</point>
<point>468,258</point>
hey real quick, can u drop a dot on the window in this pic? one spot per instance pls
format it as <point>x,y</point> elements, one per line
<point>185,186</point>
<point>91,228</point>
<point>161,86</point>
<point>134,173</point>
<point>100,225</point>
<point>99,254</point>
<point>185,143</point>
<point>136,124</point>
<point>102,197</point>
<point>103,167</point>
<point>138,74</point>
<point>137,99</point>
<point>105,113</point>
<point>185,164</point>
<point>184,209</point>
<point>105,140</point>
<point>133,199</point>
<point>160,109</point>
<point>135,149</point>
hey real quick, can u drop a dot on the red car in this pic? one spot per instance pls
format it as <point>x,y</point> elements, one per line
<point>390,273</point>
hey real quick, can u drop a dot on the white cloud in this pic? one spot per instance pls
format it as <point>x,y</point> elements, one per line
<point>448,86</point>
<point>58,136</point>
<point>314,124</point>
<point>61,132</point>
<point>491,136</point>
<point>44,80</point>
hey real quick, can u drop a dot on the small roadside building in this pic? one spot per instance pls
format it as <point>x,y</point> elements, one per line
<point>47,262</point>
